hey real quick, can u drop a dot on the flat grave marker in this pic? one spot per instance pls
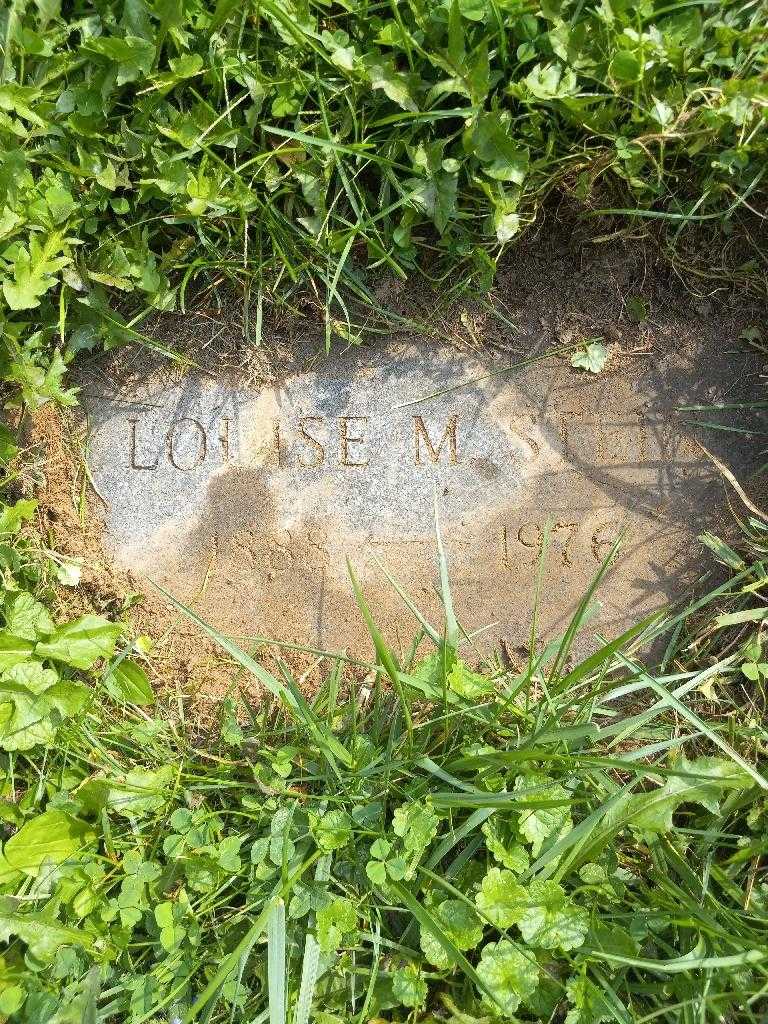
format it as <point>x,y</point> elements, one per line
<point>246,501</point>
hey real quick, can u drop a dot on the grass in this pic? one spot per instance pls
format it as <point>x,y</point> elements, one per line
<point>297,148</point>
<point>568,842</point>
<point>578,841</point>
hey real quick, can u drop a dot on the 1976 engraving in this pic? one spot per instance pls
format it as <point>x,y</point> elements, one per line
<point>592,536</point>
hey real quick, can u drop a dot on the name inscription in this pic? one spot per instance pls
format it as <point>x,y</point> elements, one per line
<point>307,443</point>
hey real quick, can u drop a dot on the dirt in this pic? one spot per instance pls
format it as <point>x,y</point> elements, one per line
<point>549,295</point>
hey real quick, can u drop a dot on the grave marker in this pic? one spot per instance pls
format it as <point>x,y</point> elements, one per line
<point>247,500</point>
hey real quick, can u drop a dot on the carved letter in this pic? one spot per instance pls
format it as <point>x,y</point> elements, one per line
<point>134,463</point>
<point>202,444</point>
<point>224,437</point>
<point>276,441</point>
<point>317,448</point>
<point>346,440</point>
<point>449,435</point>
<point>601,544</point>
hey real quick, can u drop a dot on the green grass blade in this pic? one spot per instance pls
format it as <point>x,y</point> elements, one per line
<point>427,921</point>
<point>230,962</point>
<point>374,975</point>
<point>276,963</point>
<point>451,625</point>
<point>581,613</point>
<point>383,653</point>
<point>606,652</point>
<point>428,628</point>
<point>310,966</point>
<point>698,723</point>
<point>684,964</point>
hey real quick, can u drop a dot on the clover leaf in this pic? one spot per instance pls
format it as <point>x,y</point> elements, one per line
<point>501,898</point>
<point>588,1004</point>
<point>460,925</point>
<point>541,910</point>
<point>332,830</point>
<point>542,822</point>
<point>550,920</point>
<point>333,922</point>
<point>500,840</point>
<point>381,866</point>
<point>653,811</point>
<point>467,683</point>
<point>755,670</point>
<point>377,871</point>
<point>408,987</point>
<point>508,974</point>
<point>593,356</point>
<point>416,824</point>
